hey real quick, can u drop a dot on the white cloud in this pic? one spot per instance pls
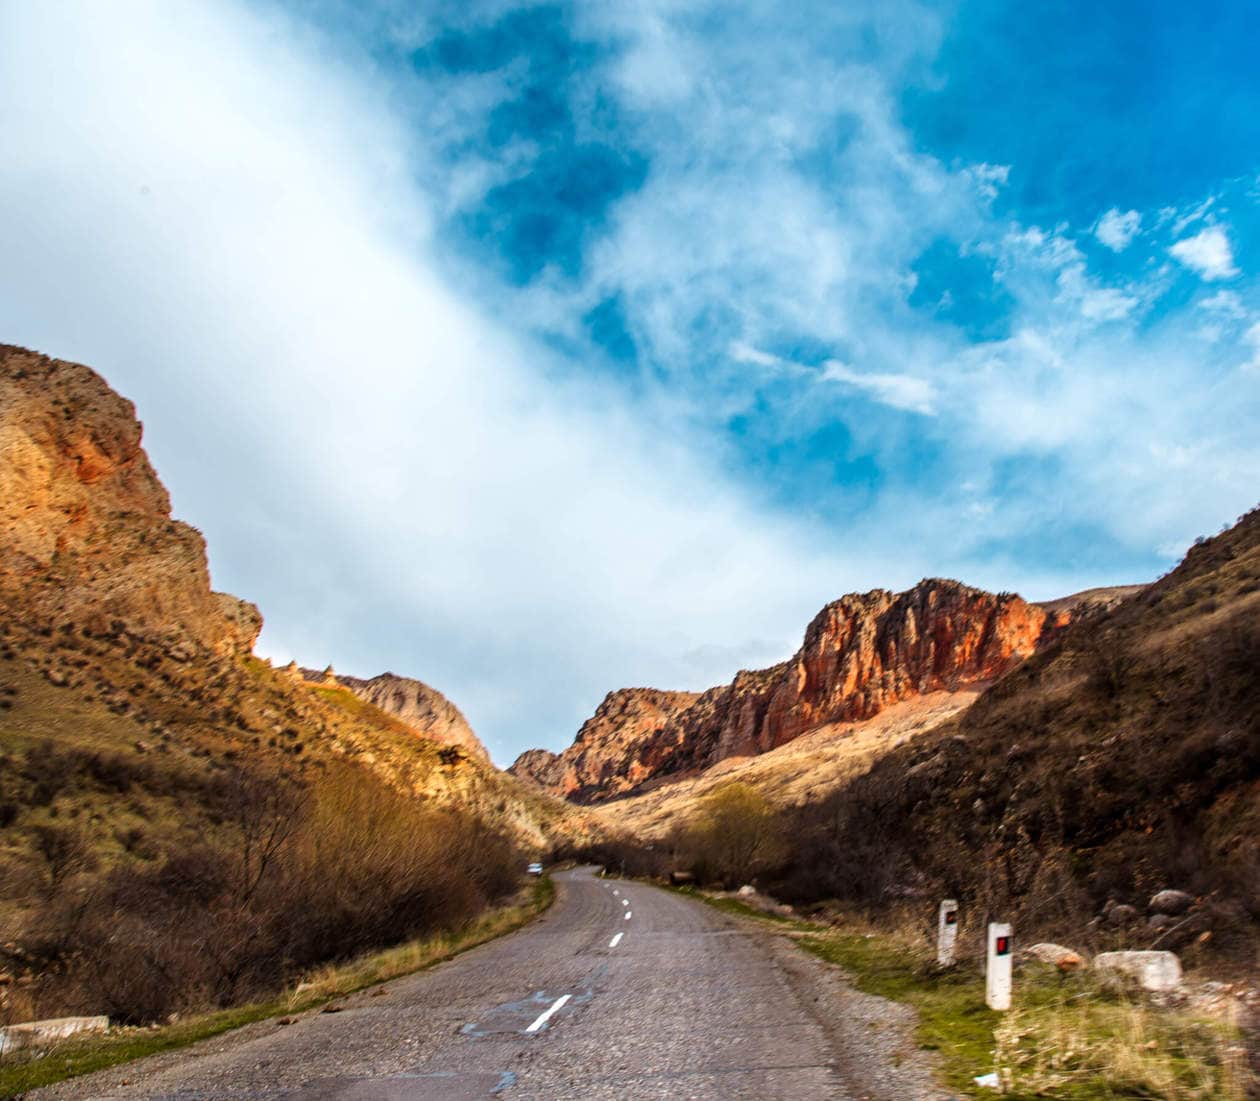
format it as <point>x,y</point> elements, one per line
<point>989,179</point>
<point>383,455</point>
<point>1226,304</point>
<point>1117,230</point>
<point>1252,338</point>
<point>915,395</point>
<point>216,215</point>
<point>1207,253</point>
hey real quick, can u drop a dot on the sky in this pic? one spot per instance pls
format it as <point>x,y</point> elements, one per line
<point>537,350</point>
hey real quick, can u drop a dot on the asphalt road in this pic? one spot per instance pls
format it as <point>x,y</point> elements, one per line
<point>620,991</point>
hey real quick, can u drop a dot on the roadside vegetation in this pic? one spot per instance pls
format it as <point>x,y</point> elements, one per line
<point>218,888</point>
<point>319,988</point>
<point>1072,1037</point>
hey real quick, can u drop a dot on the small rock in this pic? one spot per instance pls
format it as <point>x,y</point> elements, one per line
<point>746,891</point>
<point>56,677</point>
<point>334,1007</point>
<point>1171,902</point>
<point>1160,921</point>
<point>1062,958</point>
<point>1122,914</point>
<point>1157,971</point>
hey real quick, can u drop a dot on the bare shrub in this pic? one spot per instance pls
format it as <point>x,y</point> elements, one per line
<point>734,836</point>
<point>301,877</point>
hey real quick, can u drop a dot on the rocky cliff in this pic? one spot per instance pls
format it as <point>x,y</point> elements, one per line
<point>88,535</point>
<point>861,653</point>
<point>429,713</point>
<point>112,639</point>
<point>613,749</point>
<point>1121,759</point>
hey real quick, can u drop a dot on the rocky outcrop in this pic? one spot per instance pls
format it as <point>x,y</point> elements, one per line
<point>616,748</point>
<point>861,653</point>
<point>424,709</point>
<point>86,535</point>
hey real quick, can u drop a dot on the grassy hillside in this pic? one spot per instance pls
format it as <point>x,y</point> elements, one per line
<point>180,831</point>
<point>1123,759</point>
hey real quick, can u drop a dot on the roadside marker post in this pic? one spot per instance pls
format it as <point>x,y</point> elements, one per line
<point>946,932</point>
<point>997,972</point>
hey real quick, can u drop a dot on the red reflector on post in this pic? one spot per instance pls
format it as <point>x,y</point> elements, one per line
<point>1003,946</point>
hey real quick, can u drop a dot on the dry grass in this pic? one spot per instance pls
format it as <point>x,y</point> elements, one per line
<point>69,1060</point>
<point>805,769</point>
<point>1089,1042</point>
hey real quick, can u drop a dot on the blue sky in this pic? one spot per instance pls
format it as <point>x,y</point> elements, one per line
<point>540,349</point>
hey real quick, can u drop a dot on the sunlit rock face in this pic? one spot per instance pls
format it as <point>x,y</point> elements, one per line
<point>86,534</point>
<point>422,708</point>
<point>861,654</point>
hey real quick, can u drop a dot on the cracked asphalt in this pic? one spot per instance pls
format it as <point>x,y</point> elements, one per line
<point>690,1004</point>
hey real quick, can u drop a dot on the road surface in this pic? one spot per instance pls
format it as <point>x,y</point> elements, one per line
<point>621,991</point>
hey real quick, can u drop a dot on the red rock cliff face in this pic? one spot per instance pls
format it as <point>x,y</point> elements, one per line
<point>860,654</point>
<point>86,535</point>
<point>615,749</point>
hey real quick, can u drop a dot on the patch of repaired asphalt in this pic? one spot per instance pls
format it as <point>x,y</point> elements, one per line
<point>435,1086</point>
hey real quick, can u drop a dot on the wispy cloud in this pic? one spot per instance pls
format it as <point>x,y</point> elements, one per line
<point>542,349</point>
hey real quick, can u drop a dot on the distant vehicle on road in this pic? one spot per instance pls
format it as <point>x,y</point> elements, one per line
<point>534,869</point>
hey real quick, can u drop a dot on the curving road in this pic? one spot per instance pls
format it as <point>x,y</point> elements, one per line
<point>620,991</point>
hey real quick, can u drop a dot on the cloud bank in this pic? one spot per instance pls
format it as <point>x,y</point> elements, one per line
<point>539,351</point>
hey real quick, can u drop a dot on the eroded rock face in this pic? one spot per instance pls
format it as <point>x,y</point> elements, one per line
<point>86,535</point>
<point>861,653</point>
<point>617,748</point>
<point>422,708</point>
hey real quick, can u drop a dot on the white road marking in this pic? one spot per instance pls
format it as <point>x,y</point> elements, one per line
<point>615,891</point>
<point>545,1015</point>
<point>625,902</point>
<point>616,940</point>
<point>628,915</point>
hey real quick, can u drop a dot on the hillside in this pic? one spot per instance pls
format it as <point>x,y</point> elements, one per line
<point>182,825</point>
<point>413,703</point>
<point>861,654</point>
<point>117,640</point>
<point>1123,759</point>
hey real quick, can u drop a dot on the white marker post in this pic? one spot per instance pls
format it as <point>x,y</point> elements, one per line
<point>997,972</point>
<point>946,932</point>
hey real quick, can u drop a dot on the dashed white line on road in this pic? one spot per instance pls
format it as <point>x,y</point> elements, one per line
<point>625,902</point>
<point>628,915</point>
<point>615,891</point>
<point>545,1015</point>
<point>616,940</point>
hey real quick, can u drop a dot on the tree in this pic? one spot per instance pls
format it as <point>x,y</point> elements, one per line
<point>734,836</point>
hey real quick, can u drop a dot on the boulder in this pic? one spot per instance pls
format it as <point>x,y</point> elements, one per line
<point>1122,914</point>
<point>746,891</point>
<point>1171,902</point>
<point>1056,954</point>
<point>1156,971</point>
<point>35,1034</point>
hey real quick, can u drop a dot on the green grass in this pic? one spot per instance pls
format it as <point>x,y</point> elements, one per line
<point>953,1020</point>
<point>1068,1037</point>
<point>71,1059</point>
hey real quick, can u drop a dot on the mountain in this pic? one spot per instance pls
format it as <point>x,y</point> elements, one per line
<point>116,643</point>
<point>88,541</point>
<point>429,713</point>
<point>1121,759</point>
<point>861,654</point>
